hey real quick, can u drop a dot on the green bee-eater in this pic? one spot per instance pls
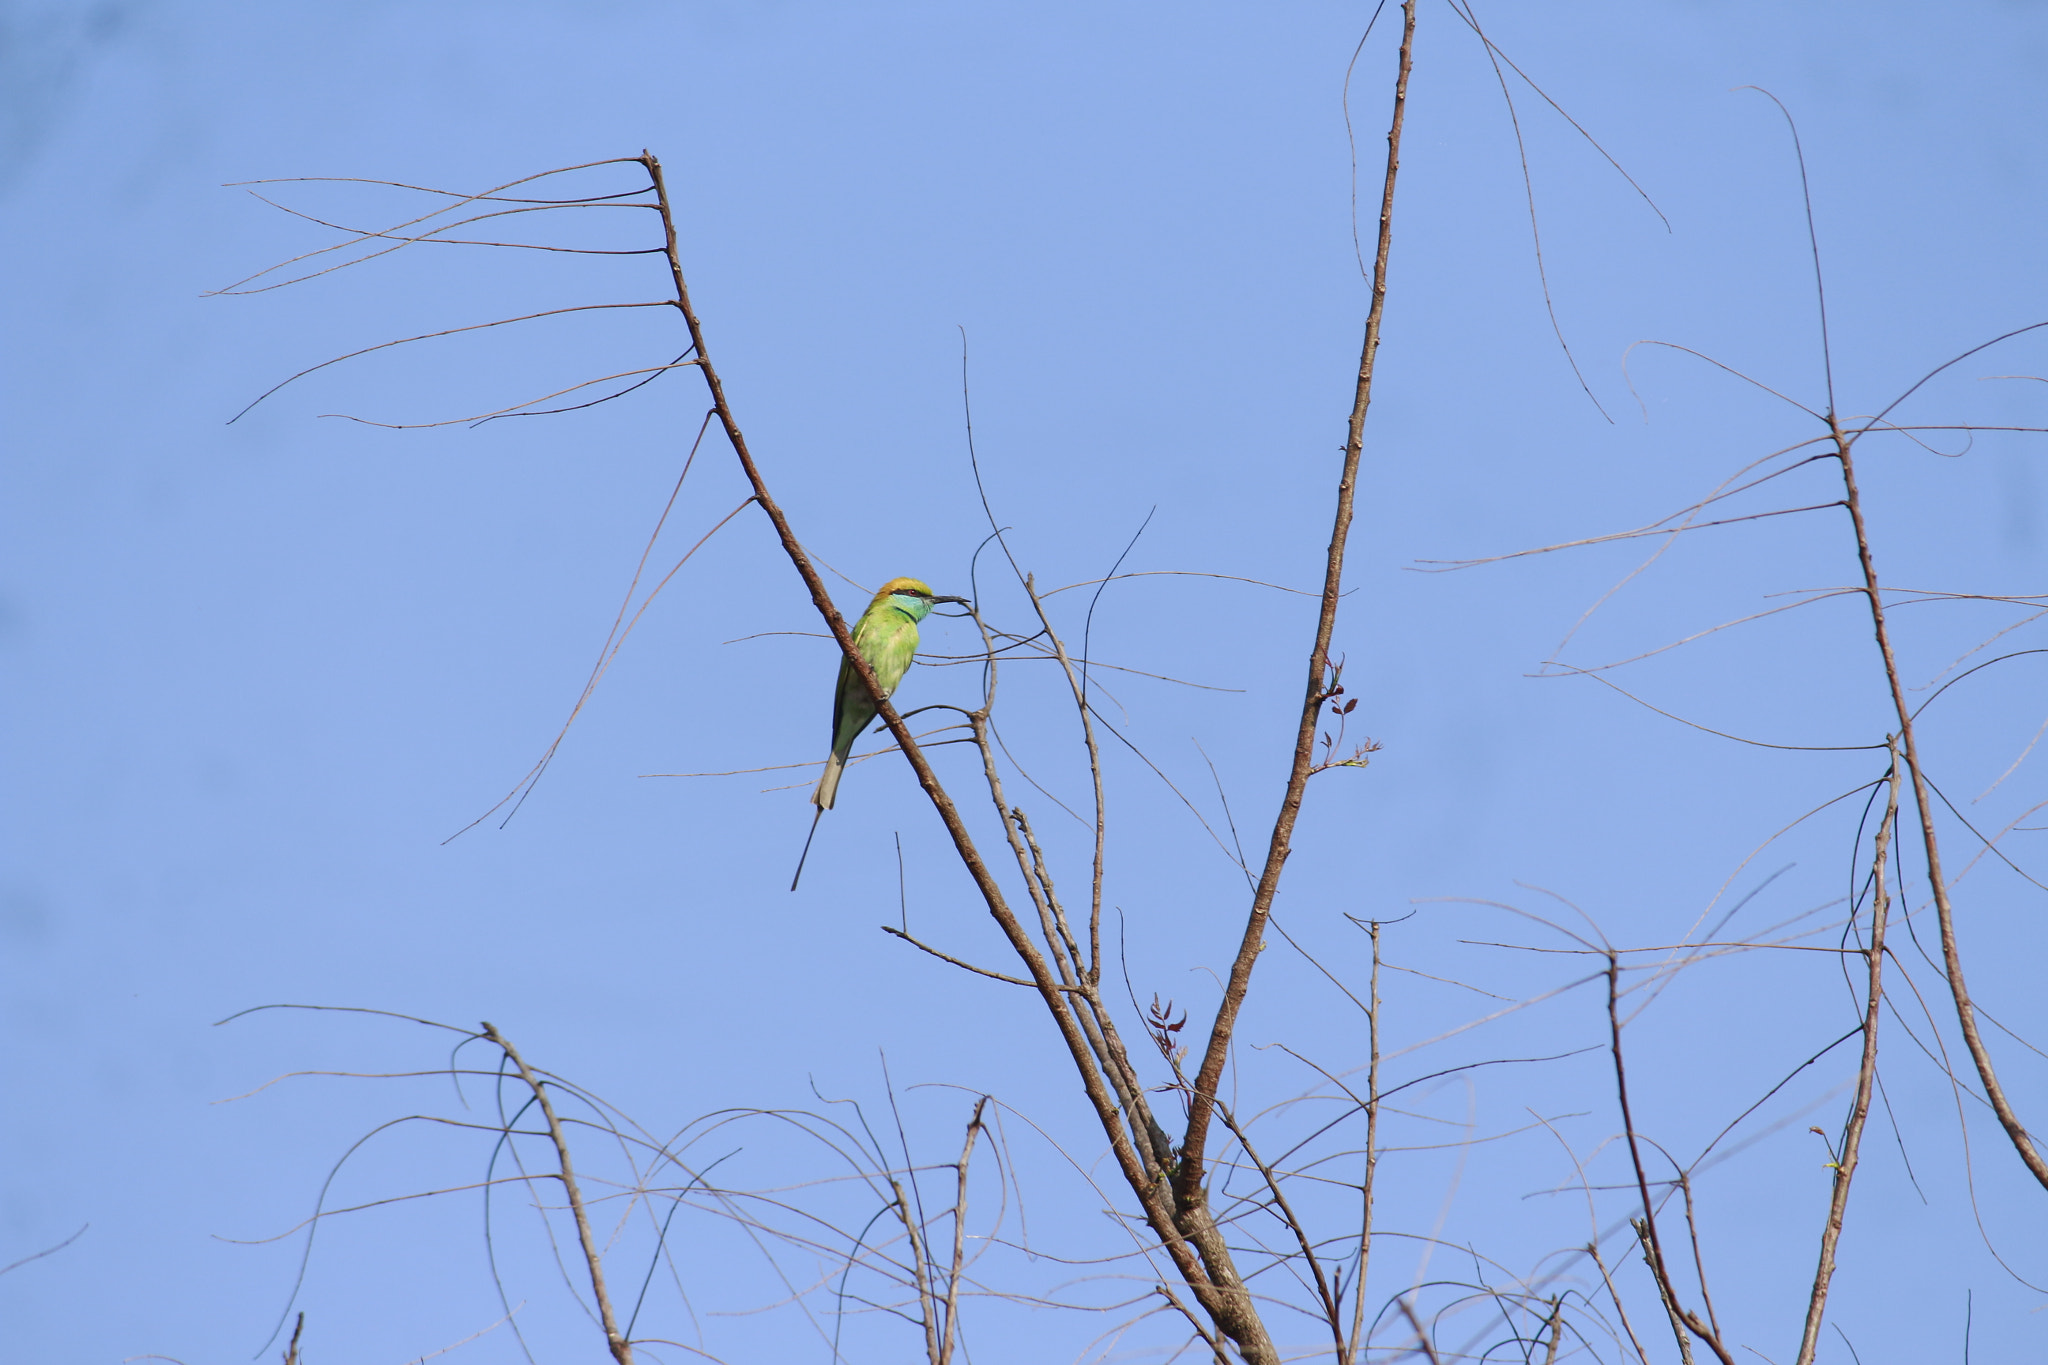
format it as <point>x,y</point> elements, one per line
<point>885,636</point>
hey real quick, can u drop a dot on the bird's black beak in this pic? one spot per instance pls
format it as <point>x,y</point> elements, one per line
<point>960,601</point>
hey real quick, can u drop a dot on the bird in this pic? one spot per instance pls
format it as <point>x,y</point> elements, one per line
<point>886,637</point>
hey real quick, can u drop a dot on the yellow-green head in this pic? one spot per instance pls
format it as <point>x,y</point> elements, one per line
<point>907,595</point>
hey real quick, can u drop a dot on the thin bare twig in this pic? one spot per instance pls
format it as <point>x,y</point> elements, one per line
<point>964,966</point>
<point>46,1251</point>
<point>1682,1319</point>
<point>490,195</point>
<point>1493,57</point>
<point>951,1332</point>
<point>1866,1074</point>
<point>615,638</point>
<point>621,1349</point>
<point>477,419</point>
<point>1324,1293</point>
<point>445,332</point>
<point>1354,1348</point>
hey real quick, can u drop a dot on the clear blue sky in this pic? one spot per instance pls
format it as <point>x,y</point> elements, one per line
<point>258,672</point>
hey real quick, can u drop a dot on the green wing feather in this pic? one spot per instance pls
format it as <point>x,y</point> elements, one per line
<point>886,637</point>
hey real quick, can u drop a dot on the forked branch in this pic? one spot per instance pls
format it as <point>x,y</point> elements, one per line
<point>1923,807</point>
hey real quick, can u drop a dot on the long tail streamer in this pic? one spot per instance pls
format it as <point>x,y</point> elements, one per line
<point>807,848</point>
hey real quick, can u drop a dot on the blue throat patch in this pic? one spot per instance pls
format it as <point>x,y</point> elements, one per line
<point>916,608</point>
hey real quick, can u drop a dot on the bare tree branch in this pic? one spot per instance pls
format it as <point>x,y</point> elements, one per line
<point>1188,1182</point>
